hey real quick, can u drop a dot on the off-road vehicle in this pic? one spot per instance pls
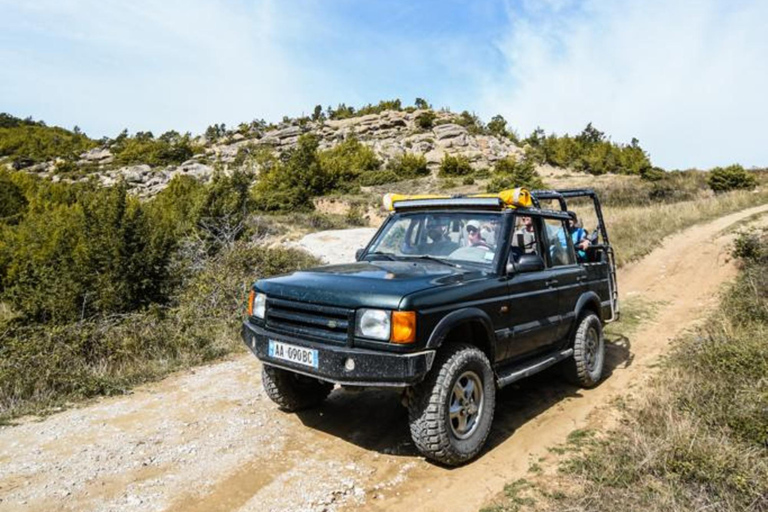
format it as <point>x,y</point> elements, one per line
<point>452,299</point>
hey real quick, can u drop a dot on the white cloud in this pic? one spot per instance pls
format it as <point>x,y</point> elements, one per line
<point>687,78</point>
<point>153,65</point>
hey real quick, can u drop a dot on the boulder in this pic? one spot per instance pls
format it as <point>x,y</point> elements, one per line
<point>97,155</point>
<point>449,131</point>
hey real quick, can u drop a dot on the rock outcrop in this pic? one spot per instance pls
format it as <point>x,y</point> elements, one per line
<point>390,134</point>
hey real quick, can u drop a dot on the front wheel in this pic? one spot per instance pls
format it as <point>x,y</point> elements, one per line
<point>586,367</point>
<point>292,391</point>
<point>451,411</point>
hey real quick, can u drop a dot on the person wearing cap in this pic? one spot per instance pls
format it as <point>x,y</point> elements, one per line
<point>475,237</point>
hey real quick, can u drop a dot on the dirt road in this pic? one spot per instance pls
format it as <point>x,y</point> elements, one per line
<point>210,439</point>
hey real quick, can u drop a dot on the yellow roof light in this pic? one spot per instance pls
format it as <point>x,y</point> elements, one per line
<point>512,198</point>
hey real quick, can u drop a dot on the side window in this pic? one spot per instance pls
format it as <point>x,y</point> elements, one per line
<point>559,247</point>
<point>525,237</point>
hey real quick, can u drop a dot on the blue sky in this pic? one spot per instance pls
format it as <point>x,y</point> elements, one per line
<point>686,78</point>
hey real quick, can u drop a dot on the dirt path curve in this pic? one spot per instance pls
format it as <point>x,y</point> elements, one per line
<point>210,440</point>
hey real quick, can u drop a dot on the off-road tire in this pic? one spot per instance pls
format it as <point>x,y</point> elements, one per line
<point>585,369</point>
<point>292,391</point>
<point>429,404</point>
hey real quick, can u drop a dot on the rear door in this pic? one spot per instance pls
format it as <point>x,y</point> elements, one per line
<point>567,276</point>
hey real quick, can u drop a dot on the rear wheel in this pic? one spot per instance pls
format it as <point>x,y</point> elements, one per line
<point>292,391</point>
<point>586,367</point>
<point>451,411</point>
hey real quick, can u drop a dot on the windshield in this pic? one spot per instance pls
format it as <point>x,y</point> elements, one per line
<point>456,236</point>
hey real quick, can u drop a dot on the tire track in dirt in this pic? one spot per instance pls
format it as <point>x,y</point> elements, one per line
<point>209,439</point>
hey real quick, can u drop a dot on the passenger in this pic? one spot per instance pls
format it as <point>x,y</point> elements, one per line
<point>579,236</point>
<point>525,237</point>
<point>475,237</point>
<point>490,231</point>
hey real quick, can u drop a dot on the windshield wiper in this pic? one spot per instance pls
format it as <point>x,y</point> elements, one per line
<point>432,258</point>
<point>387,255</point>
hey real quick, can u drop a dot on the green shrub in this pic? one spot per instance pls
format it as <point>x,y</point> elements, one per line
<point>224,206</point>
<point>498,126</point>
<point>723,179</point>
<point>143,148</point>
<point>468,180</point>
<point>482,174</point>
<point>355,217</point>
<point>472,123</point>
<point>346,162</point>
<point>590,151</point>
<point>99,254</point>
<point>454,166</point>
<point>652,174</point>
<point>27,142</point>
<point>13,203</point>
<point>43,365</point>
<point>292,183</point>
<point>409,166</point>
<point>511,173</point>
<point>426,120</point>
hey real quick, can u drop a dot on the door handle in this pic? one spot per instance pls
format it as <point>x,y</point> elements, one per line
<point>581,279</point>
<point>551,282</point>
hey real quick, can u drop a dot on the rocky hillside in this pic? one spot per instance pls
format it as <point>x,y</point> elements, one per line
<point>390,134</point>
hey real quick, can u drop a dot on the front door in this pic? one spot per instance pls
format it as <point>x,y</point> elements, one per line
<point>533,315</point>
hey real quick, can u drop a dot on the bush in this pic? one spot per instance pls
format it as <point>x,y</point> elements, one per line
<point>482,174</point>
<point>99,254</point>
<point>590,151</point>
<point>454,166</point>
<point>42,365</point>
<point>143,148</point>
<point>511,173</point>
<point>409,166</point>
<point>346,162</point>
<point>27,142</point>
<point>13,203</point>
<point>723,179</point>
<point>468,180</point>
<point>292,183</point>
<point>426,120</point>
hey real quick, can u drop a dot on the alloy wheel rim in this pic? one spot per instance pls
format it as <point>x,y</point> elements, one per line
<point>466,405</point>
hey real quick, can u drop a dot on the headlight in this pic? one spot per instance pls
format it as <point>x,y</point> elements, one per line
<point>259,305</point>
<point>373,323</point>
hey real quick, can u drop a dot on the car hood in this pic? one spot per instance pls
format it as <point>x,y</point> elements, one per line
<point>380,284</point>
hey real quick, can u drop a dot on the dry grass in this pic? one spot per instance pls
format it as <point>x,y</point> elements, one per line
<point>635,231</point>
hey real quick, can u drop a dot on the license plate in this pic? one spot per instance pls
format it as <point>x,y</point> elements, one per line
<point>292,353</point>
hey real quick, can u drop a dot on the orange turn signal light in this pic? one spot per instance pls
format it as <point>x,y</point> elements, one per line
<point>403,327</point>
<point>251,296</point>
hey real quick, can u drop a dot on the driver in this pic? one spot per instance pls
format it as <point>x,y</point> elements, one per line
<point>437,232</point>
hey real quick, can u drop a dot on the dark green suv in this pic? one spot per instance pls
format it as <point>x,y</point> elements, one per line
<point>451,299</point>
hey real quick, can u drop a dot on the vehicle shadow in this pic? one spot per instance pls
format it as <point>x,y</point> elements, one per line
<point>377,421</point>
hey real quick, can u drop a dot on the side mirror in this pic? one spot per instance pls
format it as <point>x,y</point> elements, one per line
<point>526,263</point>
<point>359,254</point>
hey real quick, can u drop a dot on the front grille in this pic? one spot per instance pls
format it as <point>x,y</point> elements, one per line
<point>311,320</point>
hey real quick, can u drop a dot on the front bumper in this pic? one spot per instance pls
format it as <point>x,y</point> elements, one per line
<point>372,368</point>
